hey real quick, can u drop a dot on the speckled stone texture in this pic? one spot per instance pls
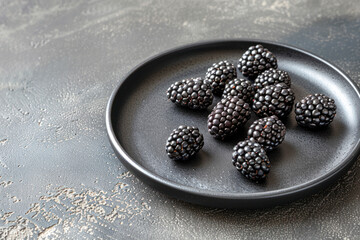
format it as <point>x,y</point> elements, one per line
<point>59,62</point>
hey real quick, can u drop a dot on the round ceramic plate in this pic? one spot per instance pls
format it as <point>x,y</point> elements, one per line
<point>139,119</point>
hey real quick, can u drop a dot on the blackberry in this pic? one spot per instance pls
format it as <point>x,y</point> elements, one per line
<point>218,74</point>
<point>251,160</point>
<point>228,116</point>
<point>184,142</point>
<point>241,88</point>
<point>273,100</point>
<point>256,60</point>
<point>193,93</point>
<point>268,131</point>
<point>271,77</point>
<point>315,111</point>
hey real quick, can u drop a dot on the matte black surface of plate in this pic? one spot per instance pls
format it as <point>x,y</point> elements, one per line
<point>140,118</point>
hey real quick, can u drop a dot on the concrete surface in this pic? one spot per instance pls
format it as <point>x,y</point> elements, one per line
<point>59,62</point>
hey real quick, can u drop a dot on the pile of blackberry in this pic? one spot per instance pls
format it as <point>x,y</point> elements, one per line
<point>269,95</point>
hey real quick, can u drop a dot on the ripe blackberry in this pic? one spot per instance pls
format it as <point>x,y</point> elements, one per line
<point>272,77</point>
<point>251,160</point>
<point>193,93</point>
<point>256,60</point>
<point>315,111</point>
<point>184,142</point>
<point>268,131</point>
<point>228,116</point>
<point>218,74</point>
<point>241,88</point>
<point>273,100</point>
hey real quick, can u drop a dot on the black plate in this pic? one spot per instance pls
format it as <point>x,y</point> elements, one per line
<point>139,119</point>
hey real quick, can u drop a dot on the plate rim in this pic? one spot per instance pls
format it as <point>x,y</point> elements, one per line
<point>136,168</point>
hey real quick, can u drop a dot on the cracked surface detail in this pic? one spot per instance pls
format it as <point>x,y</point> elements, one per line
<point>59,62</point>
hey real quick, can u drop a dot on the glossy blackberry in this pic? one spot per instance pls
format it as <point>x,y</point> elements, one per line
<point>315,111</point>
<point>256,60</point>
<point>193,93</point>
<point>273,100</point>
<point>184,142</point>
<point>228,116</point>
<point>268,131</point>
<point>272,77</point>
<point>218,74</point>
<point>251,160</point>
<point>241,88</point>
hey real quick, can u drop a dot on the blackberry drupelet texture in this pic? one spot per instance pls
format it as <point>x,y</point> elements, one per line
<point>272,77</point>
<point>218,74</point>
<point>268,131</point>
<point>314,111</point>
<point>273,100</point>
<point>241,88</point>
<point>193,93</point>
<point>184,142</point>
<point>228,116</point>
<point>256,60</point>
<point>251,160</point>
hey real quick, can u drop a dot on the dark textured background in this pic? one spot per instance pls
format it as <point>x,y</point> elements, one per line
<point>59,62</point>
